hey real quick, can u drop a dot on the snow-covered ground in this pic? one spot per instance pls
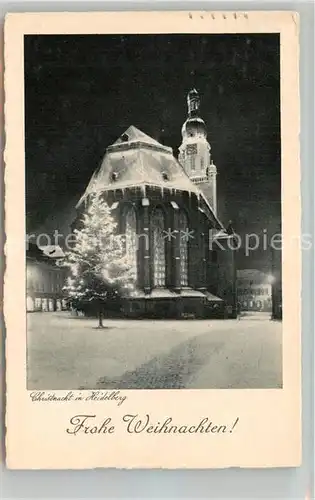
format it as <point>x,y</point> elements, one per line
<point>71,353</point>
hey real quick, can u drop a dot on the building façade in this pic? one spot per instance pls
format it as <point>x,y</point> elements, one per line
<point>254,290</point>
<point>44,282</point>
<point>166,208</point>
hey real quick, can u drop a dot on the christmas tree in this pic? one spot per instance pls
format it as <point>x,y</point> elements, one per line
<point>100,267</point>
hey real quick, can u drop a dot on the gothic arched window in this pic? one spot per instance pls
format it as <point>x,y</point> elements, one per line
<point>158,245</point>
<point>131,237</point>
<point>183,247</point>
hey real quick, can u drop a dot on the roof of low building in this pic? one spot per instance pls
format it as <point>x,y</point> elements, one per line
<point>34,252</point>
<point>52,251</point>
<point>165,293</point>
<point>37,254</point>
<point>251,274</point>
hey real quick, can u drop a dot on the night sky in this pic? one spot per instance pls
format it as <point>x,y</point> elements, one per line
<point>82,92</point>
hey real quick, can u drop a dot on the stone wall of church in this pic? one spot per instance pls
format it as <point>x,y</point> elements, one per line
<point>198,230</point>
<point>213,271</point>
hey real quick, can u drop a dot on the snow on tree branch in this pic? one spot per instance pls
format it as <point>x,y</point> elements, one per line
<point>99,264</point>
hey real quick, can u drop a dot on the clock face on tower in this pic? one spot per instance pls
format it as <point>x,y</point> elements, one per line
<point>191,149</point>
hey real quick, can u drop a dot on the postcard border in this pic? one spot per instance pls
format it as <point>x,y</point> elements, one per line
<point>14,160</point>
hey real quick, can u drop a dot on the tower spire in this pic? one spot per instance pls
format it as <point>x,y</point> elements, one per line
<point>193,103</point>
<point>195,151</point>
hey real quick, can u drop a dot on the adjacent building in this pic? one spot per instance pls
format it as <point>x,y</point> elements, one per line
<point>254,290</point>
<point>183,254</point>
<point>44,282</point>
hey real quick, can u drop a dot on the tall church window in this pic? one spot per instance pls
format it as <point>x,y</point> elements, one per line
<point>131,237</point>
<point>183,247</point>
<point>158,228</point>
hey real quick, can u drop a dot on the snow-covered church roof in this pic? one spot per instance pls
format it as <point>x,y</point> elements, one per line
<point>137,160</point>
<point>135,136</point>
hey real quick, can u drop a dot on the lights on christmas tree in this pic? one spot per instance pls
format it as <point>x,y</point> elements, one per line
<point>98,261</point>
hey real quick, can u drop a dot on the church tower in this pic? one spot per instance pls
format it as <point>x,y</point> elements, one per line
<point>194,152</point>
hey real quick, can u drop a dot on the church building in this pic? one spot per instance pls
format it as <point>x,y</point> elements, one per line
<point>167,208</point>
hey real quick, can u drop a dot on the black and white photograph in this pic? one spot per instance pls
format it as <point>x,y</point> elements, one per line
<point>153,211</point>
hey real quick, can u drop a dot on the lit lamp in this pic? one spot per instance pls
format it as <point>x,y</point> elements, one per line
<point>29,272</point>
<point>271,279</point>
<point>32,275</point>
<point>29,298</point>
<point>274,312</point>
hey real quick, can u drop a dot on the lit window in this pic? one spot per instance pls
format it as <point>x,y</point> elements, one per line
<point>38,304</point>
<point>131,237</point>
<point>183,248</point>
<point>158,227</point>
